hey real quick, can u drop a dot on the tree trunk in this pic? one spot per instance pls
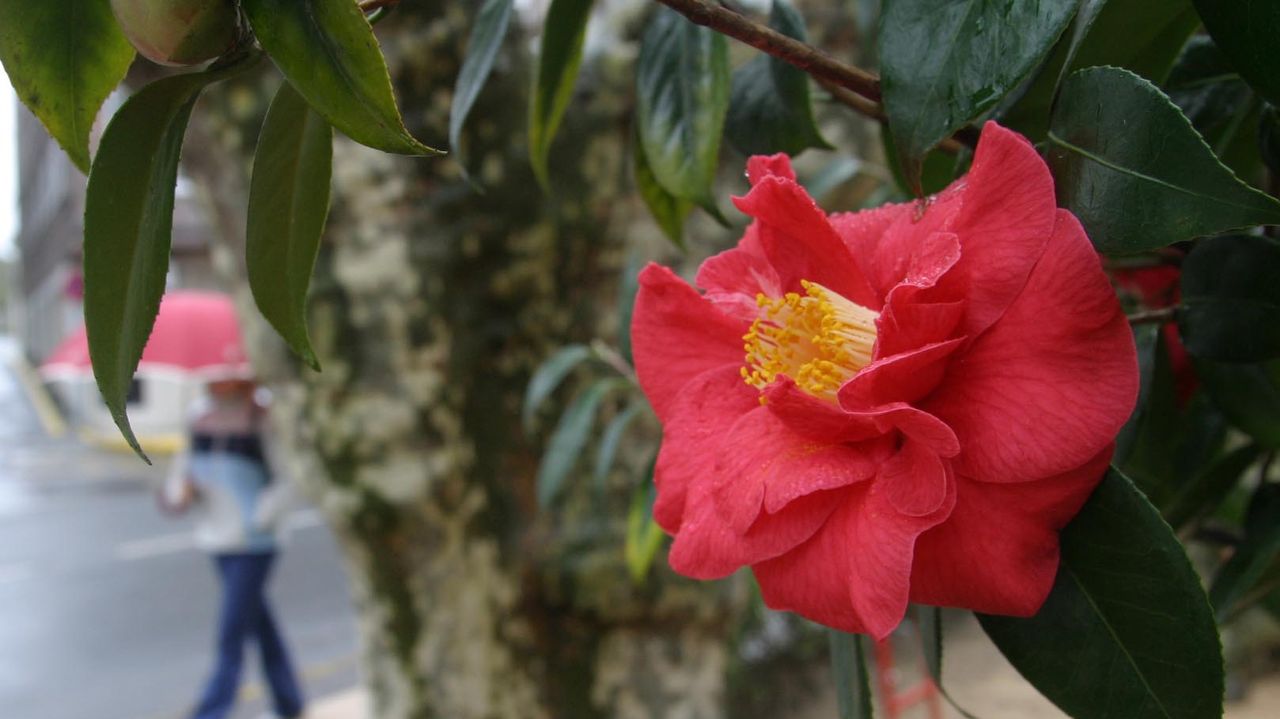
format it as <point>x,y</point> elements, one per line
<point>430,305</point>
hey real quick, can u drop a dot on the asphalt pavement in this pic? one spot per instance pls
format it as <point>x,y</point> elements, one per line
<point>107,610</point>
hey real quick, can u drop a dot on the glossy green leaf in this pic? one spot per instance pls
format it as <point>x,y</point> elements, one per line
<point>1231,299</point>
<point>327,50</point>
<point>547,377</point>
<point>1202,495</point>
<point>64,59</point>
<point>569,439</point>
<point>644,536</point>
<point>1129,164</point>
<point>769,105</point>
<point>849,668</point>
<point>937,171</point>
<point>945,62</point>
<point>682,97</point>
<point>563,36</point>
<point>1248,394</point>
<point>1246,30</point>
<point>611,440</point>
<point>668,210</point>
<point>1220,105</point>
<point>487,33</point>
<point>1146,338</point>
<point>288,206</point>
<point>1254,556</point>
<point>1127,632</point>
<point>128,220</point>
<point>1138,35</point>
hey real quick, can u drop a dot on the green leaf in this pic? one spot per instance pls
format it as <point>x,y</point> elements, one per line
<point>128,219</point>
<point>563,36</point>
<point>64,59</point>
<point>668,210</point>
<point>1231,299</point>
<point>1207,490</point>
<point>487,32</point>
<point>1248,394</point>
<point>1220,105</point>
<point>1147,340</point>
<point>1129,164</point>
<point>628,288</point>
<point>327,50</point>
<point>644,536</point>
<point>769,106</point>
<point>944,62</point>
<point>547,377</point>
<point>682,97</point>
<point>930,622</point>
<point>1247,31</point>
<point>1255,554</point>
<point>1269,138</point>
<point>1138,35</point>
<point>849,667</point>
<point>612,439</point>
<point>569,439</point>
<point>1127,632</point>
<point>288,206</point>
<point>937,171</point>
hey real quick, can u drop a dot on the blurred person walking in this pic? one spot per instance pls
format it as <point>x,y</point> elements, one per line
<point>225,477</point>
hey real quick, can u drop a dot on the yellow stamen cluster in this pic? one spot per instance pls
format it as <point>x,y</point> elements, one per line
<point>819,339</point>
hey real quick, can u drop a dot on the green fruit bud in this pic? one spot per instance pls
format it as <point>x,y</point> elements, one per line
<point>179,32</point>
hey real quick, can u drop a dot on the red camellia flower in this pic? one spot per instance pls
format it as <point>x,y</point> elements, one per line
<point>903,404</point>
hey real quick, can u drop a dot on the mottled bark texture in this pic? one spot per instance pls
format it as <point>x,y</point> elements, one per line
<point>431,304</point>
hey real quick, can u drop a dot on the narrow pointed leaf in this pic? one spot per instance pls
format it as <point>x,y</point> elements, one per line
<point>1129,164</point>
<point>547,377</point>
<point>849,667</point>
<point>327,50</point>
<point>611,440</point>
<point>1231,299</point>
<point>64,59</point>
<point>668,210</point>
<point>769,106</point>
<point>644,535</point>
<point>570,438</point>
<point>682,97</point>
<point>560,57</point>
<point>1246,31</point>
<point>288,206</point>
<point>1202,495</point>
<point>128,220</point>
<point>945,62</point>
<point>487,33</point>
<point>1127,632</point>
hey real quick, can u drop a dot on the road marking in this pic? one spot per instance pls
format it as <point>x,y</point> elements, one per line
<point>160,545</point>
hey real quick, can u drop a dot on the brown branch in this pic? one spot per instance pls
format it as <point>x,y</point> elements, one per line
<point>763,38</point>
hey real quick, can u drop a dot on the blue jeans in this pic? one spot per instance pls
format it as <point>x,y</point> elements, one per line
<point>245,615</point>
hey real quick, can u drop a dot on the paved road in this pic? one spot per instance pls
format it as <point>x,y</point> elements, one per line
<point>106,610</point>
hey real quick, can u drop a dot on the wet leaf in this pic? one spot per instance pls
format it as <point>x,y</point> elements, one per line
<point>487,33</point>
<point>563,36</point>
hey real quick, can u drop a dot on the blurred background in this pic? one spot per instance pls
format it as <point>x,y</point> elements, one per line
<point>453,558</point>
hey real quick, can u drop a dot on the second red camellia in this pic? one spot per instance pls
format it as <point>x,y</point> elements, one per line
<point>889,406</point>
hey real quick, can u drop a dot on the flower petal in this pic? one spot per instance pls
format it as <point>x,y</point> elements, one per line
<point>762,166</point>
<point>1004,223</point>
<point>854,574</point>
<point>696,421</point>
<point>998,551</point>
<point>1051,383</point>
<point>903,377</point>
<point>733,278</point>
<point>707,548</point>
<point>677,335</point>
<point>800,242</point>
<point>764,465</point>
<point>915,480</point>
